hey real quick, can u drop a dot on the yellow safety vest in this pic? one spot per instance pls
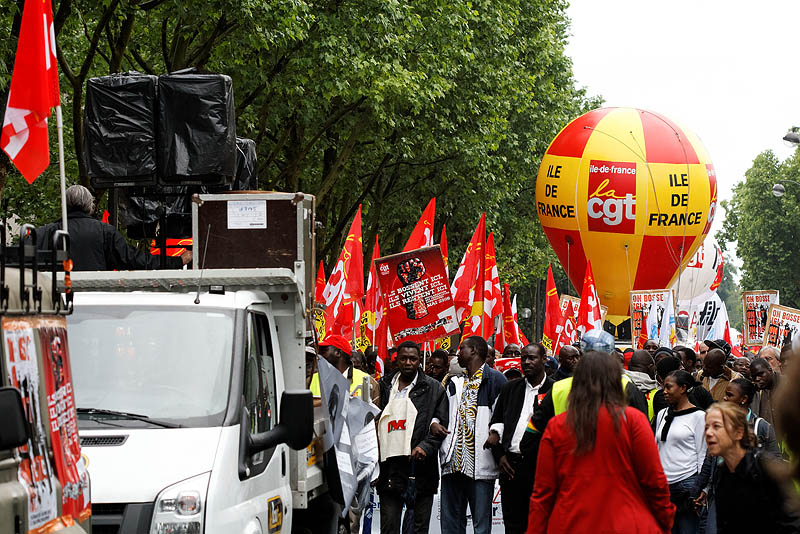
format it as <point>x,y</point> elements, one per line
<point>562,388</point>
<point>650,396</point>
<point>355,384</point>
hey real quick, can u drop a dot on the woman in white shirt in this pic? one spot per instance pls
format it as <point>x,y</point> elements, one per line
<point>680,430</point>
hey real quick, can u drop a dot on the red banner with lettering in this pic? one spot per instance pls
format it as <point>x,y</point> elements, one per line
<point>416,294</point>
<point>70,467</point>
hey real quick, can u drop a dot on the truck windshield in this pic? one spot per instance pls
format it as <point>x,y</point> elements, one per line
<point>171,364</point>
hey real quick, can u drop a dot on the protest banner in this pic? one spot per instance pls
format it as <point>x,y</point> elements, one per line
<point>703,317</point>
<point>416,295</point>
<point>70,466</point>
<point>782,326</point>
<point>35,470</point>
<point>640,302</point>
<point>575,303</point>
<point>755,309</point>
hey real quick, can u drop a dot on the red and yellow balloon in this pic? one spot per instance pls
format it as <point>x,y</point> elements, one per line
<point>629,190</point>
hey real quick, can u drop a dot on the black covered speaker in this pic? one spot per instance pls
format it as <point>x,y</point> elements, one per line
<point>246,178</point>
<point>196,129</point>
<point>120,131</point>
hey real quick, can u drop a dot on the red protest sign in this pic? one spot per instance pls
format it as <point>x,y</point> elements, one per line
<point>416,293</point>
<point>70,467</point>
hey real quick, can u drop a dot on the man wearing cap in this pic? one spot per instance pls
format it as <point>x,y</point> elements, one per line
<point>715,375</point>
<point>337,351</point>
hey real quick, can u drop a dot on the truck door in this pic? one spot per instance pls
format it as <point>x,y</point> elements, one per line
<point>257,502</point>
<point>269,470</point>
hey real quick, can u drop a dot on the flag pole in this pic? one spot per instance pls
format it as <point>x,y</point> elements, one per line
<point>62,173</point>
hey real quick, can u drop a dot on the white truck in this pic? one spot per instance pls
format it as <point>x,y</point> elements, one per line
<point>190,384</point>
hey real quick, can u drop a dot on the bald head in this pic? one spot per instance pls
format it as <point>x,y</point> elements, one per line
<point>714,363</point>
<point>568,358</point>
<point>642,362</point>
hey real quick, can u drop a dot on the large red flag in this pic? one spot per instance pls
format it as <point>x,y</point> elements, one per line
<point>320,284</point>
<point>422,235</point>
<point>567,332</point>
<point>589,316</point>
<point>470,273</point>
<point>552,318</point>
<point>346,283</point>
<point>33,91</point>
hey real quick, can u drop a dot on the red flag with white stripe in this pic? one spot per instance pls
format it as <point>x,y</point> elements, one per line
<point>345,283</point>
<point>422,235</point>
<point>33,91</point>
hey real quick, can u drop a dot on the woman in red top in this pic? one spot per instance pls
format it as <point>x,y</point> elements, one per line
<point>598,469</point>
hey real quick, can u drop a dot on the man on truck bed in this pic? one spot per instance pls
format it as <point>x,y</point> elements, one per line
<point>97,246</point>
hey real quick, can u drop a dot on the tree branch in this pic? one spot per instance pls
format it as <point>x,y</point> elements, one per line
<point>141,61</point>
<point>329,181</point>
<point>98,32</point>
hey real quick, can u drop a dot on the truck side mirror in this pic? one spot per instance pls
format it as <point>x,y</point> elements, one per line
<point>13,424</point>
<point>296,427</point>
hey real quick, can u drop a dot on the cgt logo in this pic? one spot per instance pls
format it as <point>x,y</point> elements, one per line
<point>611,206</point>
<point>397,424</point>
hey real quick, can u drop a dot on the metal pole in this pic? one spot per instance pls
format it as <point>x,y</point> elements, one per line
<point>62,172</point>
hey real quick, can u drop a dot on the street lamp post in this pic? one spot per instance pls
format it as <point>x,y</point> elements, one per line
<point>779,190</point>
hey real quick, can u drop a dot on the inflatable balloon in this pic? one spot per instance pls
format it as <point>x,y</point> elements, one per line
<point>703,272</point>
<point>629,190</point>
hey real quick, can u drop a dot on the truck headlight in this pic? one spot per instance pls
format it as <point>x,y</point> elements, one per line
<point>179,508</point>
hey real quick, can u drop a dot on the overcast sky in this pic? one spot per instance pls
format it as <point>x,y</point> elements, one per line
<point>726,70</point>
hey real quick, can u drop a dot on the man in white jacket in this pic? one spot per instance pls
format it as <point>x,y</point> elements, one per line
<point>469,470</point>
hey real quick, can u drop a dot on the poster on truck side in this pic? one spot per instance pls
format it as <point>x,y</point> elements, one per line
<point>35,470</point>
<point>755,313</point>
<point>416,295</point>
<point>70,466</point>
<point>640,304</point>
<point>565,299</point>
<point>783,324</point>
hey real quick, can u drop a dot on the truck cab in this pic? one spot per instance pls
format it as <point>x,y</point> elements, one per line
<point>191,397</point>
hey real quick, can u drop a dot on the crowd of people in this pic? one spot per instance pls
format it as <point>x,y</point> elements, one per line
<point>592,439</point>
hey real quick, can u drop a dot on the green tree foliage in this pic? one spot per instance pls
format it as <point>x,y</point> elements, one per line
<point>377,103</point>
<point>765,228</point>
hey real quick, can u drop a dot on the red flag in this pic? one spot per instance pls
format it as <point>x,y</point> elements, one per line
<point>422,235</point>
<point>346,283</point>
<point>320,284</point>
<point>492,306</point>
<point>373,303</point>
<point>552,318</point>
<point>589,308</point>
<point>568,331</point>
<point>33,91</point>
<point>443,246</point>
<point>470,273</point>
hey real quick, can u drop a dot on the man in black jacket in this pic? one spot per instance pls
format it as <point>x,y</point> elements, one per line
<point>515,406</point>
<point>415,406</point>
<point>95,245</point>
